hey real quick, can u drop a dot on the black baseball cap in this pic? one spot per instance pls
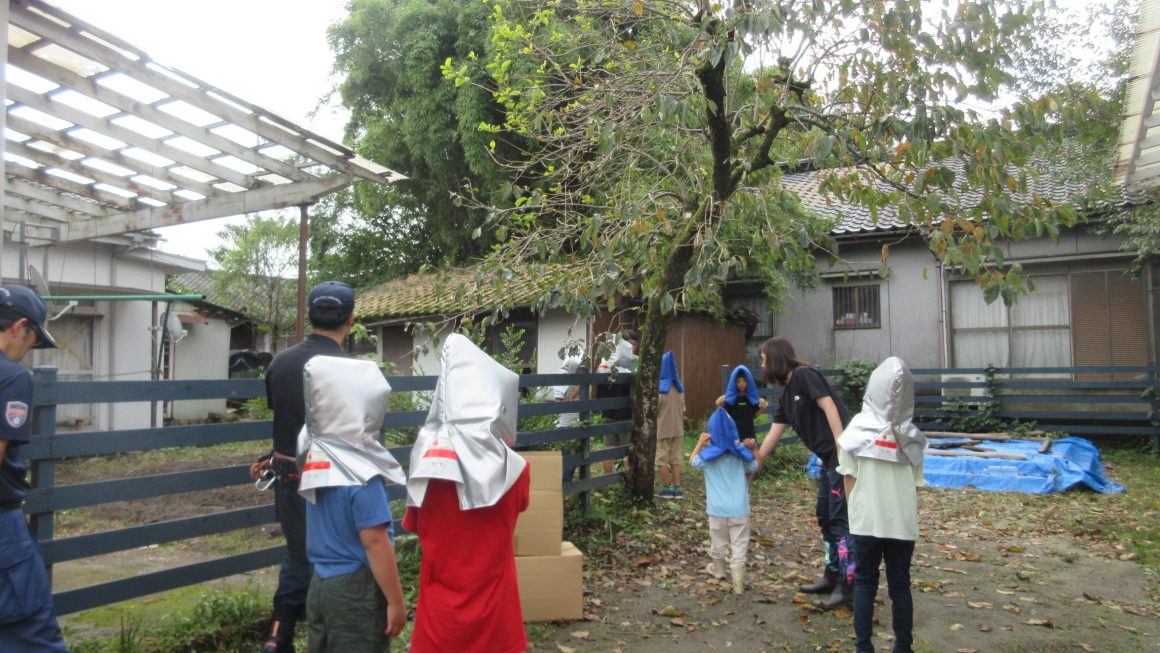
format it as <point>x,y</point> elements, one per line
<point>18,302</point>
<point>331,299</point>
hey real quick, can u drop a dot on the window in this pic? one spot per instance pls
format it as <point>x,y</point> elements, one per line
<point>857,307</point>
<point>1034,332</point>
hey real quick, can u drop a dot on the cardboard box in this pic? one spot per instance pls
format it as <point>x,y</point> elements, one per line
<point>547,469</point>
<point>551,587</point>
<point>540,528</point>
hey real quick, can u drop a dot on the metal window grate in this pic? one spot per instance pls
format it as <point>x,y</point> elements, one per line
<point>857,307</point>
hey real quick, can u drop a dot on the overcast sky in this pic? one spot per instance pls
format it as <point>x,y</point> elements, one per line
<point>271,53</point>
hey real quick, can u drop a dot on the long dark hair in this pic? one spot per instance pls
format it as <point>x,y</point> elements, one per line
<point>780,360</point>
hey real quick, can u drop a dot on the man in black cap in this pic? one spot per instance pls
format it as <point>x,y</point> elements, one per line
<point>27,617</point>
<point>331,313</point>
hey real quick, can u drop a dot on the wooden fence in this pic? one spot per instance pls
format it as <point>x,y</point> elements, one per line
<point>48,448</point>
<point>1120,401</point>
<point>1083,401</point>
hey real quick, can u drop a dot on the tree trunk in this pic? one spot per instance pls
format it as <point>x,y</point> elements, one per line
<point>645,384</point>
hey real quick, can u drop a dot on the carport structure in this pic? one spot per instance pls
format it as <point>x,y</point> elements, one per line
<point>102,141</point>
<point>1138,149</point>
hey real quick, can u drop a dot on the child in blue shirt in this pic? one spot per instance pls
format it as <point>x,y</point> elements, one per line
<point>726,461</point>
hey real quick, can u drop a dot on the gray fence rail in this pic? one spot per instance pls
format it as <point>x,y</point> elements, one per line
<point>1075,400</point>
<point>1084,401</point>
<point>48,448</point>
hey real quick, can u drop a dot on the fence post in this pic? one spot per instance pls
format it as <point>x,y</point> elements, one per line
<point>43,472</point>
<point>585,448</point>
<point>1155,417</point>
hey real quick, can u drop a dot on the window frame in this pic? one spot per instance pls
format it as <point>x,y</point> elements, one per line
<point>1009,328</point>
<point>838,322</point>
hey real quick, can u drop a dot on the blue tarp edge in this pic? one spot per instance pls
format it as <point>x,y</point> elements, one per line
<point>1071,462</point>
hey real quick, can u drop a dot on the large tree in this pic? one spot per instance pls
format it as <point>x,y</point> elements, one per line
<point>406,116</point>
<point>655,128</point>
<point>255,265</point>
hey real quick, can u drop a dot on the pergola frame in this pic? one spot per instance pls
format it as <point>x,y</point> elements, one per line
<point>103,141</point>
<point>1138,150</point>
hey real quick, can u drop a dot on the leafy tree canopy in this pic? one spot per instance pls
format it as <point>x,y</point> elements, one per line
<point>406,116</point>
<point>648,133</point>
<point>256,261</point>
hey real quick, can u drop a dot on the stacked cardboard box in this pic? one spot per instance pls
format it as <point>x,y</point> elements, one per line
<point>548,569</point>
<point>540,528</point>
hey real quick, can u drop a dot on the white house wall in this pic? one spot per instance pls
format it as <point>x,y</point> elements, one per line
<point>912,315</point>
<point>427,353</point>
<point>121,348</point>
<point>557,329</point>
<point>129,337</point>
<point>908,304</point>
<point>202,354</point>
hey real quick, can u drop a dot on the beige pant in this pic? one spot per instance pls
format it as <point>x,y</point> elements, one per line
<point>731,533</point>
<point>669,451</point>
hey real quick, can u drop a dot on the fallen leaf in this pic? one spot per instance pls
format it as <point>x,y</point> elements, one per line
<point>978,605</point>
<point>984,628</point>
<point>670,611</point>
<point>579,634</point>
<point>967,650</point>
<point>804,618</point>
<point>957,627</point>
<point>1040,622</point>
<point>565,649</point>
<point>677,621</point>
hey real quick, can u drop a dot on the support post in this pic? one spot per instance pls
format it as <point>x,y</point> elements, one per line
<point>43,472</point>
<point>585,447</point>
<point>303,239</point>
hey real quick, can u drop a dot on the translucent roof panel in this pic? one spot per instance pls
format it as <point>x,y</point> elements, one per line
<point>1138,149</point>
<point>85,103</point>
<point>146,145</point>
<point>24,79</point>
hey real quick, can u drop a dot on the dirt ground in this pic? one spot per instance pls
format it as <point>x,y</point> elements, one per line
<point>992,572</point>
<point>981,582</point>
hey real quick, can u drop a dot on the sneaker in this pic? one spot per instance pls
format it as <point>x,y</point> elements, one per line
<point>676,493</point>
<point>665,493</point>
<point>716,569</point>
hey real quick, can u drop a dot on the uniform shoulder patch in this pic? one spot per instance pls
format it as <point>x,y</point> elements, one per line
<point>16,414</point>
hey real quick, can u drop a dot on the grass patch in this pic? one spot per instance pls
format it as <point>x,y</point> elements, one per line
<point>213,620</point>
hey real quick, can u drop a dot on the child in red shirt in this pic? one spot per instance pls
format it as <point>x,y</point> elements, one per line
<point>465,492</point>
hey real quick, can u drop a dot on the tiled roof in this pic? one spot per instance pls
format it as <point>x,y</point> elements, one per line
<point>463,292</point>
<point>855,219</point>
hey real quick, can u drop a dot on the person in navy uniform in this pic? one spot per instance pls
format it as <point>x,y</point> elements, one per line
<point>330,309</point>
<point>27,616</point>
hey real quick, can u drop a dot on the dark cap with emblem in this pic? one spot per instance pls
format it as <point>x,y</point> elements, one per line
<point>331,299</point>
<point>17,302</point>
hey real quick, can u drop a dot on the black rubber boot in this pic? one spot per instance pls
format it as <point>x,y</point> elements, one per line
<point>841,597</point>
<point>826,584</point>
<point>280,639</point>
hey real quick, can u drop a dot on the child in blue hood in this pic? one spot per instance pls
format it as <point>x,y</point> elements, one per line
<point>726,460</point>
<point>742,401</point>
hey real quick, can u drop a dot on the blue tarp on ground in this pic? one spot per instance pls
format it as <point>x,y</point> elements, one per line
<point>1070,462</point>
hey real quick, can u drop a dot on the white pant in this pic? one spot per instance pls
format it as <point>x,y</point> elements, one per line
<point>732,532</point>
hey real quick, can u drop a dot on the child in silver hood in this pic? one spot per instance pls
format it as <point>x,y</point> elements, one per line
<point>881,452</point>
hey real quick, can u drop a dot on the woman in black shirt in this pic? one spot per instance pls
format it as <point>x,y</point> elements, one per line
<point>817,413</point>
